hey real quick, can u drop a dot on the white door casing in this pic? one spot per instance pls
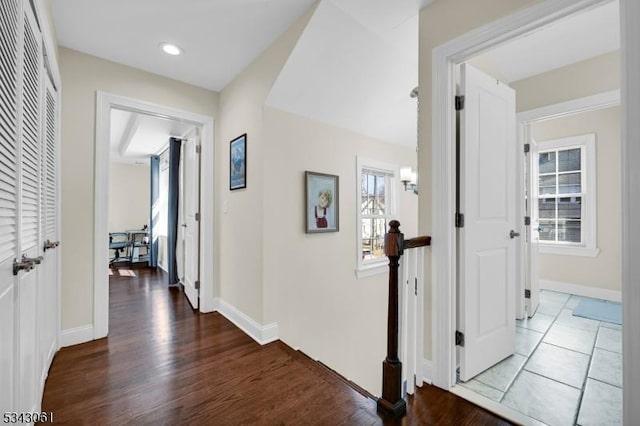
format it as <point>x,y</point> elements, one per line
<point>487,251</point>
<point>191,212</point>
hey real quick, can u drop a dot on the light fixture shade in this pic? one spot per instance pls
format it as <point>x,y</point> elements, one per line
<point>414,178</point>
<point>405,173</point>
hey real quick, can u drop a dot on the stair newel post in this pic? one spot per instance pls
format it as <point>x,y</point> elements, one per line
<point>391,402</point>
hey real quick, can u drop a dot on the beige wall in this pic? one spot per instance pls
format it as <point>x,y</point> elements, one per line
<point>603,271</point>
<point>241,211</point>
<point>310,286</point>
<point>441,21</point>
<point>585,78</point>
<point>128,196</point>
<point>82,76</point>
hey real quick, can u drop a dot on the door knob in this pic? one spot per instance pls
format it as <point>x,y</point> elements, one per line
<point>513,234</point>
<point>22,266</point>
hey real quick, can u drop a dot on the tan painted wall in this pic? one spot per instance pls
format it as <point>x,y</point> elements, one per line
<point>82,76</point>
<point>603,271</point>
<point>441,21</point>
<point>310,286</point>
<point>585,78</point>
<point>128,196</point>
<point>241,225</point>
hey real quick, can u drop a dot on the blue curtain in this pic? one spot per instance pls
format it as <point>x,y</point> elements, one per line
<point>154,211</point>
<point>172,217</point>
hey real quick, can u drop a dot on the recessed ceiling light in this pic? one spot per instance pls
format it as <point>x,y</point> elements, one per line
<point>170,49</point>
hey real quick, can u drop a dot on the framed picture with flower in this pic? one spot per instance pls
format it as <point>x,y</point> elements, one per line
<point>321,202</point>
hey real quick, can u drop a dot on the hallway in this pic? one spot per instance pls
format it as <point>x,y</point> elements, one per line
<point>165,364</point>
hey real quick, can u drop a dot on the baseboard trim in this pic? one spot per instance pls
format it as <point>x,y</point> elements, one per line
<point>427,371</point>
<point>581,290</point>
<point>76,335</point>
<point>262,334</point>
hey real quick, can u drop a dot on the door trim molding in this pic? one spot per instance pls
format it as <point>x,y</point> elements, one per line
<point>104,103</point>
<point>445,58</point>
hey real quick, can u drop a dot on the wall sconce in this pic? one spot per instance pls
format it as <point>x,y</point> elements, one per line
<point>409,178</point>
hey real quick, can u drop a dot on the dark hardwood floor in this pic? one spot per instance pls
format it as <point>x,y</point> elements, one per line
<point>165,364</point>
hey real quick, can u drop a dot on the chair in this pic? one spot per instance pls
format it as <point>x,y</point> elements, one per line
<point>118,242</point>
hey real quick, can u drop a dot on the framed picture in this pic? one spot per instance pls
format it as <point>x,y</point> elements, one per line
<point>321,202</point>
<point>238,163</point>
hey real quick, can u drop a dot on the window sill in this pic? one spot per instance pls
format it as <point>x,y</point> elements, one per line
<point>569,251</point>
<point>371,270</point>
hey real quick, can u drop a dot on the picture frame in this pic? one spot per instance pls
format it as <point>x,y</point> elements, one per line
<point>238,163</point>
<point>322,194</point>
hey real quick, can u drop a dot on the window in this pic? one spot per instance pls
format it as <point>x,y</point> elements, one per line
<point>376,207</point>
<point>566,207</point>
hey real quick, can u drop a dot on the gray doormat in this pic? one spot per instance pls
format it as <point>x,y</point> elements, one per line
<point>601,310</point>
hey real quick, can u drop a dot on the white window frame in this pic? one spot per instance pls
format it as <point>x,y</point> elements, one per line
<point>377,266</point>
<point>588,244</point>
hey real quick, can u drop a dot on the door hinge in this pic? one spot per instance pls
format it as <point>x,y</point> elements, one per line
<point>459,338</point>
<point>527,147</point>
<point>527,220</point>
<point>527,294</point>
<point>415,286</point>
<point>197,217</point>
<point>198,149</point>
<point>196,284</point>
<point>459,220</point>
<point>459,103</point>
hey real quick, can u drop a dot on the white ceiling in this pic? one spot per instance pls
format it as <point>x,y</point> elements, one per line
<point>134,136</point>
<point>571,40</point>
<point>219,37</point>
<point>353,67</point>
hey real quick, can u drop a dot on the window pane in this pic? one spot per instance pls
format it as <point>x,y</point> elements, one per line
<point>569,231</point>
<point>547,185</point>
<point>569,160</point>
<point>373,238</point>
<point>547,230</point>
<point>547,208</point>
<point>570,208</point>
<point>547,162</point>
<point>569,183</point>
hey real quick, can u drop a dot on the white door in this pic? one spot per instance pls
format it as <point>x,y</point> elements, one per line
<point>534,232</point>
<point>10,13</point>
<point>487,246</point>
<point>29,218</point>
<point>192,213</point>
<point>48,291</point>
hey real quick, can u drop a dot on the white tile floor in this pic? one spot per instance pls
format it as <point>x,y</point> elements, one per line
<point>566,370</point>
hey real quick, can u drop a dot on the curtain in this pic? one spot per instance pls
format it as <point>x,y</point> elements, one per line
<point>154,218</point>
<point>172,216</point>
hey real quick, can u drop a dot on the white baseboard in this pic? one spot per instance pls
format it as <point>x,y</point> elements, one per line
<point>76,335</point>
<point>581,290</point>
<point>427,371</point>
<point>262,334</point>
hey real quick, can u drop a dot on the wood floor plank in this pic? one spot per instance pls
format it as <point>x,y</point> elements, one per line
<point>163,363</point>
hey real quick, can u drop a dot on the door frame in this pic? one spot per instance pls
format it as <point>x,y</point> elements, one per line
<point>445,58</point>
<point>104,103</point>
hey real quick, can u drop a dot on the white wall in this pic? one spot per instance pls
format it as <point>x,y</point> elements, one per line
<point>129,194</point>
<point>82,76</point>
<point>603,271</point>
<point>310,286</point>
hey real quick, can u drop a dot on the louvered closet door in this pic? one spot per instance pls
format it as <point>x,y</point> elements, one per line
<point>48,283</point>
<point>29,223</point>
<point>9,24</point>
